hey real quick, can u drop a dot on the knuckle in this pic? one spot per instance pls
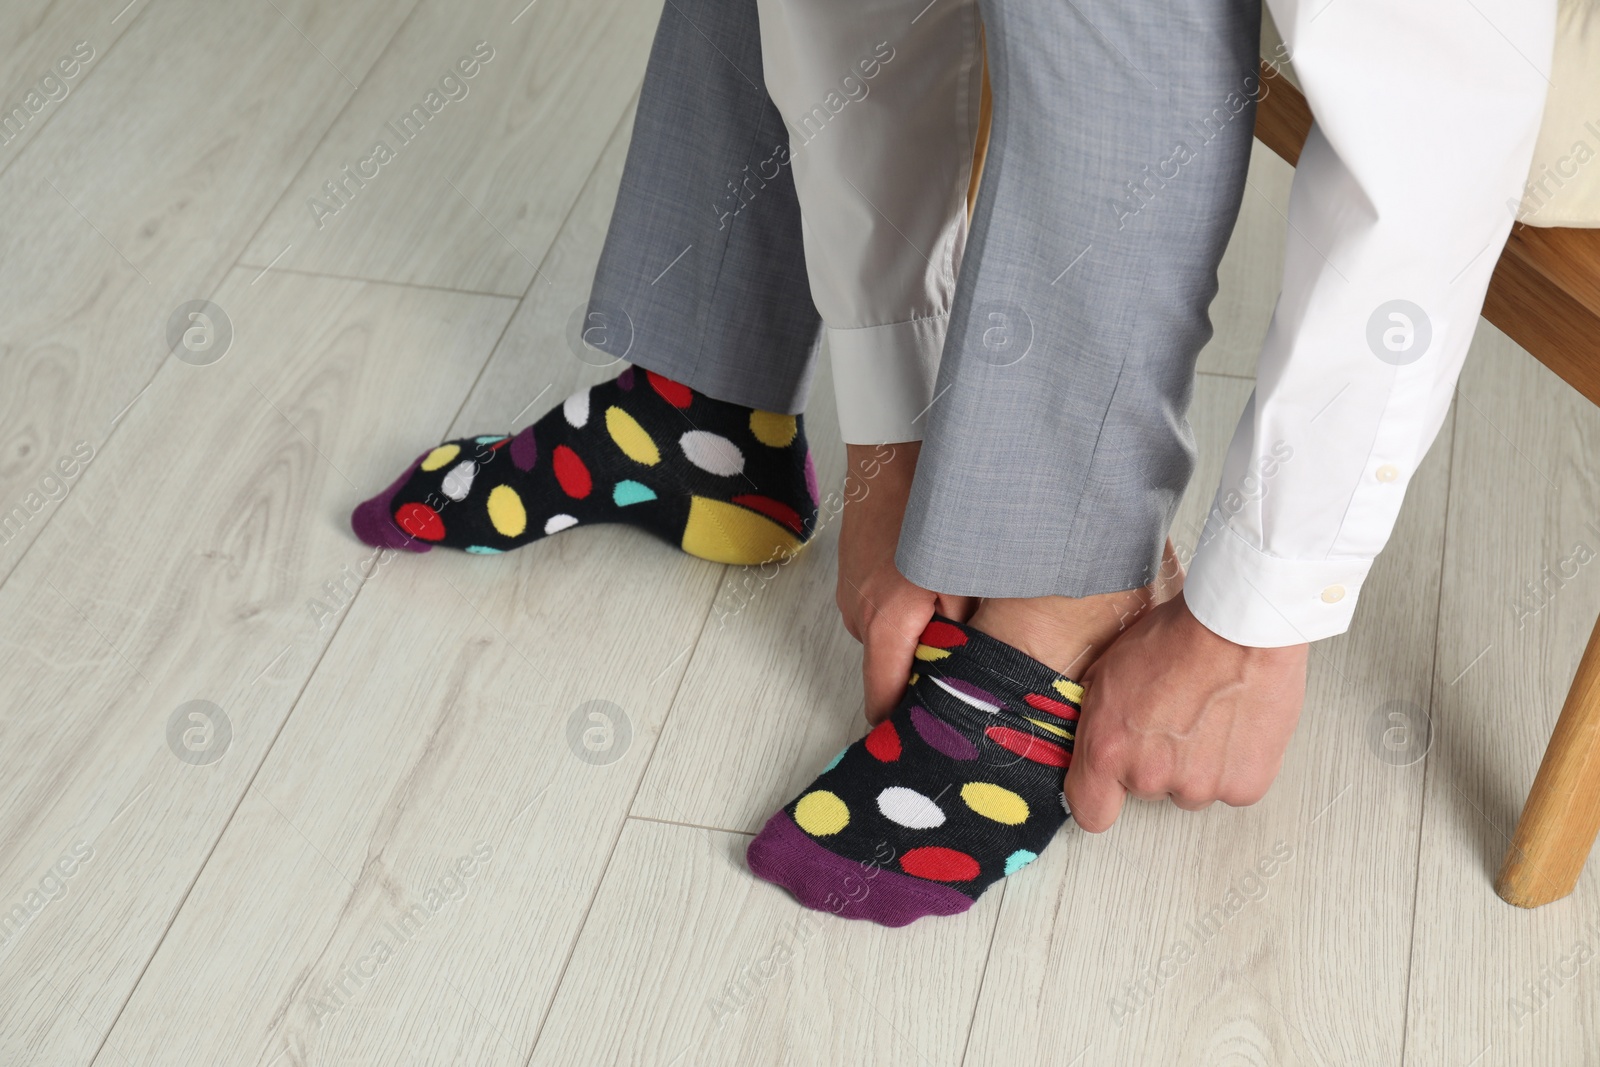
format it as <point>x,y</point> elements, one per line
<point>1146,782</point>
<point>1102,758</point>
<point>1192,797</point>
<point>1244,794</point>
<point>1152,774</point>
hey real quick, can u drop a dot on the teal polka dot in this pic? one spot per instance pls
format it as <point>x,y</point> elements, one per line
<point>1018,860</point>
<point>489,439</point>
<point>834,762</point>
<point>482,551</point>
<point>631,492</point>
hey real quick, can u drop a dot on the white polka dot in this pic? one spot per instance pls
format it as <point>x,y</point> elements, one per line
<point>458,483</point>
<point>712,452</point>
<point>967,696</point>
<point>909,808</point>
<point>576,409</point>
<point>557,523</point>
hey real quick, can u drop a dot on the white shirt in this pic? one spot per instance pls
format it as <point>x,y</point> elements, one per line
<point>1427,114</point>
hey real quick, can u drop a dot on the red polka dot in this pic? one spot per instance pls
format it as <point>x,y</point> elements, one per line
<point>675,393</point>
<point>419,520</point>
<point>1029,747</point>
<point>884,743</point>
<point>1054,707</point>
<point>943,635</point>
<point>775,510</point>
<point>939,864</point>
<point>571,473</point>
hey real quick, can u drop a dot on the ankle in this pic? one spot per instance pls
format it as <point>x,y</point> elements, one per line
<point>1066,634</point>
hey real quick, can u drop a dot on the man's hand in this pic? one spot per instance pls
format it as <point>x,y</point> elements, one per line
<point>881,609</point>
<point>1172,709</point>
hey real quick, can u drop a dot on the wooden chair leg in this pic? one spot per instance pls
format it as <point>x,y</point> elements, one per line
<point>1562,815</point>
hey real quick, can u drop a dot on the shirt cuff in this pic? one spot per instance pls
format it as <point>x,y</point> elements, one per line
<point>883,378</point>
<point>1251,598</point>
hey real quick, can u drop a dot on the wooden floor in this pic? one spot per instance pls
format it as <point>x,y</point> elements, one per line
<point>396,854</point>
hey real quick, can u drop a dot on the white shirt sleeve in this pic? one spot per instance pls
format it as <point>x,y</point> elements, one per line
<point>1426,117</point>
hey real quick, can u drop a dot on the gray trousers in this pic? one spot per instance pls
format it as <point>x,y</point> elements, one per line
<point>1057,447</point>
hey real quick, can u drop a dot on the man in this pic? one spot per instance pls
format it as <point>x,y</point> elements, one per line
<point>1055,446</point>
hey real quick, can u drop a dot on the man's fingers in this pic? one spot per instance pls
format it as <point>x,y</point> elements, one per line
<point>1093,796</point>
<point>886,657</point>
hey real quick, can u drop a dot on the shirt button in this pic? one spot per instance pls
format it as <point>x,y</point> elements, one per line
<point>1333,594</point>
<point>1388,472</point>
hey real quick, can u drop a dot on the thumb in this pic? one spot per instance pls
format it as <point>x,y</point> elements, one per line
<point>886,657</point>
<point>1093,791</point>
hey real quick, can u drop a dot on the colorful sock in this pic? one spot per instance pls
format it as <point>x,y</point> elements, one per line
<point>724,482</point>
<point>957,789</point>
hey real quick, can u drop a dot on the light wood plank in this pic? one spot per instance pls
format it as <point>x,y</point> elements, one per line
<point>473,200</point>
<point>774,668</point>
<point>440,721</point>
<point>1310,963</point>
<point>439,725</point>
<point>37,34</point>
<point>1526,495</point>
<point>541,361</point>
<point>183,567</point>
<point>350,46</point>
<point>688,959</point>
<point>135,199</point>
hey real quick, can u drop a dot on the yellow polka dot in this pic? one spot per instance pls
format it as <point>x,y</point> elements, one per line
<point>771,428</point>
<point>1058,731</point>
<point>1071,690</point>
<point>440,456</point>
<point>913,679</point>
<point>993,802</point>
<point>726,533</point>
<point>631,438</point>
<point>929,654</point>
<point>821,813</point>
<point>506,511</point>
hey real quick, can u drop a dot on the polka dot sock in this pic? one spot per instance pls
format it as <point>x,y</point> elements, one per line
<point>724,482</point>
<point>959,788</point>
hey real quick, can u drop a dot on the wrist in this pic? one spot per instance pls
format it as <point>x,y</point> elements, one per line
<point>1227,646</point>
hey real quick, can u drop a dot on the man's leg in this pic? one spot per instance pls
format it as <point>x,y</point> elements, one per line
<point>881,98</point>
<point>882,101</point>
<point>703,274</point>
<point>701,284</point>
<point>1057,448</point>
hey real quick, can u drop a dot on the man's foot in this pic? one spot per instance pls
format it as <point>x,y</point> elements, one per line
<point>1070,633</point>
<point>959,788</point>
<point>723,482</point>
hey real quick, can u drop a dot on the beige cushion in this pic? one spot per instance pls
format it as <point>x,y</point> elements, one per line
<point>1564,182</point>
